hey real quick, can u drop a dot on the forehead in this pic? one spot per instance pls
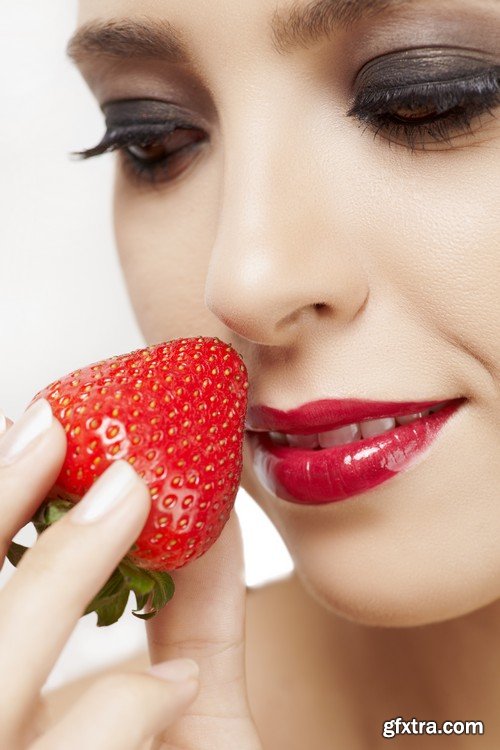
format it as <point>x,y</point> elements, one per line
<point>297,14</point>
<point>89,10</point>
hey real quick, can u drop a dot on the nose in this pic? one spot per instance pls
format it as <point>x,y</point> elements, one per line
<point>283,256</point>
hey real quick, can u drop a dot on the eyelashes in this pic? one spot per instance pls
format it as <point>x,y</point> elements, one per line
<point>126,135</point>
<point>161,145</point>
<point>437,111</point>
<point>410,114</point>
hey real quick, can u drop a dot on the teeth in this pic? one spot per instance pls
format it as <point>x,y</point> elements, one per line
<point>303,441</point>
<point>279,438</point>
<point>346,434</point>
<point>407,418</point>
<point>351,432</point>
<point>373,427</point>
<point>438,407</point>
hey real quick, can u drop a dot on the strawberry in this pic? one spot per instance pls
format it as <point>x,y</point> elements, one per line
<point>175,411</point>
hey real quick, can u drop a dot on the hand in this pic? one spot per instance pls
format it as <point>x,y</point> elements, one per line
<point>55,580</point>
<point>205,620</point>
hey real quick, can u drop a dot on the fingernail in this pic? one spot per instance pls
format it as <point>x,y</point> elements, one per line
<point>36,420</point>
<point>105,494</point>
<point>3,422</point>
<point>176,670</point>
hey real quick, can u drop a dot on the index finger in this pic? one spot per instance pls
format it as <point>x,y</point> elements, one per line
<point>60,574</point>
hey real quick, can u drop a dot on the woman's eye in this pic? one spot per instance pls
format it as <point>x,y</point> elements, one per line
<point>159,149</point>
<point>414,114</point>
<point>426,112</point>
<point>154,153</point>
<point>164,159</point>
<point>150,153</point>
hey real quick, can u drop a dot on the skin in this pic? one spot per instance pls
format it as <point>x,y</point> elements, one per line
<point>393,608</point>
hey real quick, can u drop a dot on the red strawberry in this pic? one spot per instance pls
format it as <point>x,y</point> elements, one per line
<point>176,412</point>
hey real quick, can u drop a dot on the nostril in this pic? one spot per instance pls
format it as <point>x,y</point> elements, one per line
<point>319,305</point>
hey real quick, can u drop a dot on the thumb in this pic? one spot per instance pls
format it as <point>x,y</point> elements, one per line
<point>205,621</point>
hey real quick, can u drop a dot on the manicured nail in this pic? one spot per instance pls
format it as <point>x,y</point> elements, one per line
<point>34,422</point>
<point>3,422</point>
<point>105,494</point>
<point>176,670</point>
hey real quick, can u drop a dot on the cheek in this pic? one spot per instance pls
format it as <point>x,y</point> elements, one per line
<point>434,238</point>
<point>164,248</point>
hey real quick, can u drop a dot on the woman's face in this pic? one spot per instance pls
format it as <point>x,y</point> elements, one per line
<point>345,257</point>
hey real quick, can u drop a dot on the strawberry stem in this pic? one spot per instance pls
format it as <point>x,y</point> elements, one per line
<point>152,588</point>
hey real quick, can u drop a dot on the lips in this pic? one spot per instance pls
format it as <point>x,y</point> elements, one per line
<point>330,450</point>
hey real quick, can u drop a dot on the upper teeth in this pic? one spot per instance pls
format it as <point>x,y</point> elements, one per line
<point>349,433</point>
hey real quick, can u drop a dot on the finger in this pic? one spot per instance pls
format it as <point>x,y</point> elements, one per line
<point>32,452</point>
<point>121,712</point>
<point>206,620</point>
<point>61,573</point>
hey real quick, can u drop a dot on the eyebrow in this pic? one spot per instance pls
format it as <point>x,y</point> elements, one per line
<point>300,26</point>
<point>291,27</point>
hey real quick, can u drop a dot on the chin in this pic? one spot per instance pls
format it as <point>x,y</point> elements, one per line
<point>392,601</point>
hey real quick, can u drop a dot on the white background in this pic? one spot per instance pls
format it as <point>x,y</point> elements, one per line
<point>63,303</point>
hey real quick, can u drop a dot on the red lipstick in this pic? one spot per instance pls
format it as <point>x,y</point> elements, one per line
<point>324,475</point>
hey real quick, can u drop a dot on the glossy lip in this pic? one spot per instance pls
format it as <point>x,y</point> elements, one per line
<point>328,414</point>
<point>312,477</point>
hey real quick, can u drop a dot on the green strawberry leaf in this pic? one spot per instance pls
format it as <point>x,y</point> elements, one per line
<point>110,602</point>
<point>113,609</point>
<point>142,600</point>
<point>137,579</point>
<point>50,512</point>
<point>144,615</point>
<point>15,553</point>
<point>150,587</point>
<point>56,509</point>
<point>164,589</point>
